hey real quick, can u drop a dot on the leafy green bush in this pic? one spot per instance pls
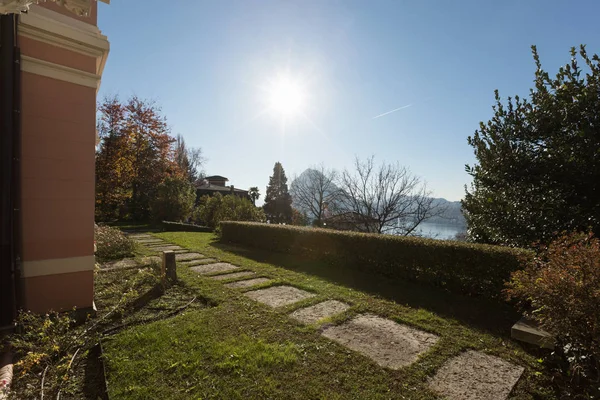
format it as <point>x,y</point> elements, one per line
<point>112,244</point>
<point>211,210</point>
<point>474,269</point>
<point>174,200</point>
<point>560,288</point>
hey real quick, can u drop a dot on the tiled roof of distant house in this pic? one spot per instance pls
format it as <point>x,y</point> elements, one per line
<point>216,177</point>
<point>217,188</point>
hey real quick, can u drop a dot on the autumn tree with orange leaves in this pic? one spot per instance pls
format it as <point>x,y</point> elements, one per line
<point>134,156</point>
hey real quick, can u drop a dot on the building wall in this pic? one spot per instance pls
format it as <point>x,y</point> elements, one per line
<point>62,60</point>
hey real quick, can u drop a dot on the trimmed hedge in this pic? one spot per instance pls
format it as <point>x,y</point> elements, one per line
<point>170,226</point>
<point>473,269</point>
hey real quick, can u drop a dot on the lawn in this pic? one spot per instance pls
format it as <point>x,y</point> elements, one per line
<point>238,348</point>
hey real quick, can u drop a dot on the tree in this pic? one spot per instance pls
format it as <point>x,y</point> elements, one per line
<point>134,156</point>
<point>151,153</point>
<point>189,159</point>
<point>538,160</point>
<point>254,194</point>
<point>385,199</point>
<point>211,210</point>
<point>174,200</point>
<point>314,191</point>
<point>278,202</point>
<point>299,218</point>
<point>113,169</point>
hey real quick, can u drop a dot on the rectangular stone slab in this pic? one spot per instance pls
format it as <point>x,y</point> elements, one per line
<point>188,256</point>
<point>149,241</point>
<point>165,248</point>
<point>141,236</point>
<point>475,376</point>
<point>159,244</point>
<point>247,283</point>
<point>151,259</point>
<point>232,276</point>
<point>278,296</point>
<point>124,263</point>
<point>313,314</point>
<point>200,261</point>
<point>212,268</point>
<point>386,342</point>
<point>528,331</point>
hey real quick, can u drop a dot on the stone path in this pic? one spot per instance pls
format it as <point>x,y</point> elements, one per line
<point>233,275</point>
<point>213,268</point>
<point>386,342</point>
<point>471,375</point>
<point>313,314</point>
<point>279,296</point>
<point>247,283</point>
<point>476,376</point>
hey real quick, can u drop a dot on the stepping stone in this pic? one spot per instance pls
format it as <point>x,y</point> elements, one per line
<point>158,244</point>
<point>165,248</point>
<point>149,241</point>
<point>247,283</point>
<point>125,263</point>
<point>232,276</point>
<point>141,236</point>
<point>313,314</point>
<point>210,268</point>
<point>151,260</point>
<point>181,251</point>
<point>386,342</point>
<point>476,376</point>
<point>278,296</point>
<point>188,256</point>
<point>200,261</point>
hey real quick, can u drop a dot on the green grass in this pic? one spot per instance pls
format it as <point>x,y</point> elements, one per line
<point>242,349</point>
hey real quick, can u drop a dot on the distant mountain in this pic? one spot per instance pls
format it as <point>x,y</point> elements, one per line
<point>452,214</point>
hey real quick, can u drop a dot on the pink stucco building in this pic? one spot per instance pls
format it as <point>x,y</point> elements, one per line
<point>52,56</point>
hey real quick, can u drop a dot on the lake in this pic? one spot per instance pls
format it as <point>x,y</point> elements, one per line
<point>440,231</point>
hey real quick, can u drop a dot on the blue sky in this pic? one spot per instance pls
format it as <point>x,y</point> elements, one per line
<point>206,63</point>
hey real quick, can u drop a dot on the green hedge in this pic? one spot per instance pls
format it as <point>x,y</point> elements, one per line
<point>170,226</point>
<point>473,269</point>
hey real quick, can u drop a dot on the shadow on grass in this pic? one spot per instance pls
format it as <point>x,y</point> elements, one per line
<point>94,385</point>
<point>486,315</point>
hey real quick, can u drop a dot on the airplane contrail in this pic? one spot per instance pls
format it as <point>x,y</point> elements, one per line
<point>392,111</point>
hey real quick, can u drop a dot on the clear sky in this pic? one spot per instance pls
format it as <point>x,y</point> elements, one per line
<point>211,66</point>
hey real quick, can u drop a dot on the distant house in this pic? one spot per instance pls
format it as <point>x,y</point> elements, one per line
<point>217,184</point>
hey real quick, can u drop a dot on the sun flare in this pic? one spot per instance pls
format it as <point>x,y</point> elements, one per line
<point>286,97</point>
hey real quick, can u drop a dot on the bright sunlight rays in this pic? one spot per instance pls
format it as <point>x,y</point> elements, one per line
<point>286,97</point>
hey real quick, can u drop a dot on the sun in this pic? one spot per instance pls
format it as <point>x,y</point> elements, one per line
<point>286,97</point>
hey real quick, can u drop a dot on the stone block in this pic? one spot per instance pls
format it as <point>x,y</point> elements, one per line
<point>527,330</point>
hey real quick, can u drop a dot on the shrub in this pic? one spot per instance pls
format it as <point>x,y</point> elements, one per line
<point>473,269</point>
<point>174,200</point>
<point>45,347</point>
<point>211,210</point>
<point>111,243</point>
<point>560,288</point>
<point>170,226</point>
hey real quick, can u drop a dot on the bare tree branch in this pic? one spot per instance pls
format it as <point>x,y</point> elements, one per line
<point>190,159</point>
<point>315,191</point>
<point>384,199</point>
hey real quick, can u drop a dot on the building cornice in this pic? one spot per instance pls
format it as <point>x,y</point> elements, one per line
<point>79,7</point>
<point>59,30</point>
